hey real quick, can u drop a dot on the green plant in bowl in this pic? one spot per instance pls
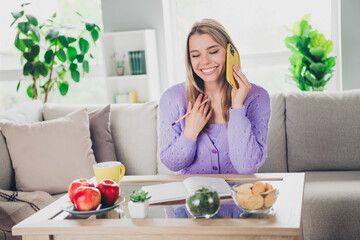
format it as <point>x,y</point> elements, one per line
<point>203,202</point>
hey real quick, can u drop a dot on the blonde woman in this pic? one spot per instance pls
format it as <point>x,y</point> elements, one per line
<point>228,133</point>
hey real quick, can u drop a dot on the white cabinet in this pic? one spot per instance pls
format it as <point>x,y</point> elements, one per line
<point>146,85</point>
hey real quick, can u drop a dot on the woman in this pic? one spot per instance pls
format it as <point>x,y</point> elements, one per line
<point>228,133</point>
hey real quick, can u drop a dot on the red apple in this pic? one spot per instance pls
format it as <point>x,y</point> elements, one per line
<point>75,185</point>
<point>87,198</point>
<point>109,192</point>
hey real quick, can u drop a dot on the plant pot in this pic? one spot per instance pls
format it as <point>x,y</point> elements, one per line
<point>138,209</point>
<point>120,71</point>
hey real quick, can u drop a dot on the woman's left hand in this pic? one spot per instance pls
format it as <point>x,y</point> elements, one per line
<point>238,96</point>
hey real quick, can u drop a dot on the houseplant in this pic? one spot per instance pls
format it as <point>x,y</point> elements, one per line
<point>119,64</point>
<point>311,67</point>
<point>50,50</point>
<point>139,204</point>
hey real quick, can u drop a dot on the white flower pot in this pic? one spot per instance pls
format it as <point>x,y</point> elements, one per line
<point>119,71</point>
<point>138,209</point>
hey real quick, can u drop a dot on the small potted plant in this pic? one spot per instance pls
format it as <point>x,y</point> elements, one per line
<point>119,64</point>
<point>139,204</point>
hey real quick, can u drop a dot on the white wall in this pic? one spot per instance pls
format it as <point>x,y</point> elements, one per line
<point>124,15</point>
<point>127,15</point>
<point>350,39</point>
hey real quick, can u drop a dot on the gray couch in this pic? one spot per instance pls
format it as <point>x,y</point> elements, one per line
<point>316,133</point>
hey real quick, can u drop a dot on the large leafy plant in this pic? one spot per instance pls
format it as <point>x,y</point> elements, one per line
<point>311,67</point>
<point>51,50</point>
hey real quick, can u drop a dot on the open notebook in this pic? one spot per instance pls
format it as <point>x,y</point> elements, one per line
<point>175,191</point>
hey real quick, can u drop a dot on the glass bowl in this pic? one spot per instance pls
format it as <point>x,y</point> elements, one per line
<point>255,198</point>
<point>203,202</point>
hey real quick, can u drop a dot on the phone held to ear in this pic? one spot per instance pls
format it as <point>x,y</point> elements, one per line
<point>232,58</point>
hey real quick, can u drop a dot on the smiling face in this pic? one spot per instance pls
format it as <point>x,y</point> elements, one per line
<point>207,57</point>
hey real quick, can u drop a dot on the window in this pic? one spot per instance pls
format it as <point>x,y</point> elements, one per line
<point>257,29</point>
<point>90,89</point>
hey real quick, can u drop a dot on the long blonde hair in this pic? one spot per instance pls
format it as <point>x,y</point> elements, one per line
<point>194,84</point>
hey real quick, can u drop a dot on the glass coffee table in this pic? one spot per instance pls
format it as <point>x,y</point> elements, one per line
<point>172,220</point>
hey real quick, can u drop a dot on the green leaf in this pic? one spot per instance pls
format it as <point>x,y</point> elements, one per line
<point>28,56</point>
<point>27,68</point>
<point>94,35</point>
<point>41,69</point>
<point>35,34</point>
<point>19,44</point>
<point>89,26</point>
<point>79,14</point>
<point>71,52</point>
<point>17,15</point>
<point>84,45</point>
<point>85,66</point>
<point>25,4</point>
<point>61,55</point>
<point>32,19</point>
<point>317,69</point>
<point>310,77</point>
<point>80,58</point>
<point>18,86</point>
<point>54,15</point>
<point>330,62</point>
<point>73,67</point>
<point>307,17</point>
<point>35,50</point>
<point>71,40</point>
<point>91,56</point>
<point>49,56</point>
<point>317,52</point>
<point>30,91</point>
<point>63,88</point>
<point>290,42</point>
<point>62,74</point>
<point>52,34</point>
<point>75,76</point>
<point>24,27</point>
<point>28,42</point>
<point>63,41</point>
<point>303,28</point>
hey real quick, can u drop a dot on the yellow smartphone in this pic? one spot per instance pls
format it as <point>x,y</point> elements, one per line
<point>232,58</point>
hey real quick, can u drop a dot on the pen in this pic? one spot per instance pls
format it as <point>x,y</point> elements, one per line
<point>187,114</point>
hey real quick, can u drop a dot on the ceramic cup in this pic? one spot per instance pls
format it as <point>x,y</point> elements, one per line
<point>109,170</point>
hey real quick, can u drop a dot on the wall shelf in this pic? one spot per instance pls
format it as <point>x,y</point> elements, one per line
<point>146,85</point>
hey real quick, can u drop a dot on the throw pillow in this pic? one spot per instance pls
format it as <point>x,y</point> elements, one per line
<point>47,156</point>
<point>101,138</point>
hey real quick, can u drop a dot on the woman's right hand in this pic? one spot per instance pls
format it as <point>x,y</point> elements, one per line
<point>198,117</point>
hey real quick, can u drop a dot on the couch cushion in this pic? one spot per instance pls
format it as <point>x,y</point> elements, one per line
<point>24,113</point>
<point>323,131</point>
<point>48,155</point>
<point>133,128</point>
<point>102,142</point>
<point>276,143</point>
<point>331,205</point>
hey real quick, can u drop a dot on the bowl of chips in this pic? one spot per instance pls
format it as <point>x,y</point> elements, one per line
<point>258,197</point>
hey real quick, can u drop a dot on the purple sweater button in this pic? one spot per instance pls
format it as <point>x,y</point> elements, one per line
<point>213,151</point>
<point>215,168</point>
